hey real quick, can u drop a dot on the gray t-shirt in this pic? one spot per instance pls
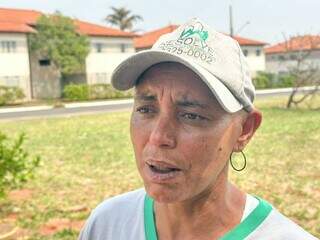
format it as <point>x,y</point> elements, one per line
<point>130,217</point>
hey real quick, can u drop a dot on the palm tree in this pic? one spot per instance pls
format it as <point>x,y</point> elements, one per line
<point>122,18</point>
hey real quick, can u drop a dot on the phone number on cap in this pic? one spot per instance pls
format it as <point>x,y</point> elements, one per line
<point>189,52</point>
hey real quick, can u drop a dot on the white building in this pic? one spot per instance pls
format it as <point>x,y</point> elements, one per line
<point>37,77</point>
<point>252,49</point>
<point>14,56</point>
<point>282,57</point>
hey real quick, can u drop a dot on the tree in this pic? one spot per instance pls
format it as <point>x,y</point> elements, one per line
<point>122,18</point>
<point>57,39</point>
<point>302,66</point>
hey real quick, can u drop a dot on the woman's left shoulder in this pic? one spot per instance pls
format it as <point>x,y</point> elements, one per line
<point>279,227</point>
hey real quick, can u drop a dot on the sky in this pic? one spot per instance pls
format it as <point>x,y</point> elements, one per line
<point>269,21</point>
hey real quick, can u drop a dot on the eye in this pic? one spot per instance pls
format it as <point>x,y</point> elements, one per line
<point>192,116</point>
<point>144,110</point>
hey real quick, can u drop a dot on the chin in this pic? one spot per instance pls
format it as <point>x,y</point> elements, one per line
<point>163,193</point>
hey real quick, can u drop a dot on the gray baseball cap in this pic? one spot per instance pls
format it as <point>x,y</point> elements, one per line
<point>215,57</point>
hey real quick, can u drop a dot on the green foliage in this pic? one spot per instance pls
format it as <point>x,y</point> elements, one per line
<point>15,165</point>
<point>122,18</point>
<point>94,91</point>
<point>10,95</point>
<point>265,80</point>
<point>76,92</point>
<point>57,38</point>
<point>286,81</point>
<point>106,91</point>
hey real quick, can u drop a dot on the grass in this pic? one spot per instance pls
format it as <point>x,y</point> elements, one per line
<point>88,158</point>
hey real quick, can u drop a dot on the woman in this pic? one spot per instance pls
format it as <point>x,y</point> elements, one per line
<point>193,111</point>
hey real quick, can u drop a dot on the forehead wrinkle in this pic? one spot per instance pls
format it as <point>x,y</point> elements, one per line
<point>153,87</point>
<point>162,79</point>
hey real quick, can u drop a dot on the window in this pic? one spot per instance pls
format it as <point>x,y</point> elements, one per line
<point>245,52</point>
<point>281,58</point>
<point>293,57</point>
<point>98,47</point>
<point>8,46</point>
<point>123,47</point>
<point>10,81</point>
<point>44,62</point>
<point>101,78</point>
<point>258,52</point>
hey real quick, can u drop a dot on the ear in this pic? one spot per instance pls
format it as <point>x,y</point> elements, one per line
<point>249,126</point>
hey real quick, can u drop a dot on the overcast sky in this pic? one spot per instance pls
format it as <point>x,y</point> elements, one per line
<point>269,19</point>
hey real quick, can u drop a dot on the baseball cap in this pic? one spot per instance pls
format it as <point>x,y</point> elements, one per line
<point>215,57</point>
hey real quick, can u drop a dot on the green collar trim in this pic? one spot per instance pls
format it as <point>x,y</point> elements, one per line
<point>239,232</point>
<point>149,221</point>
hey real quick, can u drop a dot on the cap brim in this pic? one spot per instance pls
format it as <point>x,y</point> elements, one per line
<point>126,74</point>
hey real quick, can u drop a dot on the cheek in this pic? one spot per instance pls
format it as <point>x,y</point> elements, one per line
<point>199,149</point>
<point>206,152</point>
<point>139,135</point>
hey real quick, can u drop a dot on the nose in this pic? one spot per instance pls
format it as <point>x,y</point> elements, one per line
<point>163,133</point>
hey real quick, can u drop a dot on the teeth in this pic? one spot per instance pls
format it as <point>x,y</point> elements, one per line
<point>161,169</point>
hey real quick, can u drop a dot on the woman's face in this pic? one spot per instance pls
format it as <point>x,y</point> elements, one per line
<point>182,138</point>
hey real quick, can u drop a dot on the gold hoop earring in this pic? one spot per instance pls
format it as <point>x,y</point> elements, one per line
<point>244,165</point>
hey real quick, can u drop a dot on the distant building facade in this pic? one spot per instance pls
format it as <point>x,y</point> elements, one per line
<point>37,76</point>
<point>252,49</point>
<point>282,57</point>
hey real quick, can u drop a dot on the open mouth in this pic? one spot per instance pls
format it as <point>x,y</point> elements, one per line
<point>162,169</point>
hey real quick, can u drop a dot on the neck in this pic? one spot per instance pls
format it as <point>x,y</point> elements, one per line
<point>206,216</point>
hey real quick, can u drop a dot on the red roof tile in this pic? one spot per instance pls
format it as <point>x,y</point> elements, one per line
<point>248,42</point>
<point>29,17</point>
<point>306,42</point>
<point>148,39</point>
<point>15,27</point>
<point>97,30</point>
<point>19,16</point>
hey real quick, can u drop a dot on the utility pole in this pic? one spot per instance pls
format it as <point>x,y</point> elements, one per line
<point>231,20</point>
<point>232,33</point>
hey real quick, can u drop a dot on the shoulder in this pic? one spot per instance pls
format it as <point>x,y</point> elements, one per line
<point>113,216</point>
<point>279,227</point>
<point>126,201</point>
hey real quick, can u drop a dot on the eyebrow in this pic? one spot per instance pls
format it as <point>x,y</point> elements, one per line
<point>145,97</point>
<point>181,103</point>
<point>192,104</point>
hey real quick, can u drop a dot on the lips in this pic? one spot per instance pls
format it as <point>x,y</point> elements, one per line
<point>162,167</point>
<point>162,172</point>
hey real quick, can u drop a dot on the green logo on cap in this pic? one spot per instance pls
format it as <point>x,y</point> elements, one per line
<point>188,32</point>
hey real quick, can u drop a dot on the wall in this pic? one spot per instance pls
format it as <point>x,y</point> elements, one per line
<point>100,65</point>
<point>45,79</point>
<point>281,62</point>
<point>14,66</point>
<point>256,63</point>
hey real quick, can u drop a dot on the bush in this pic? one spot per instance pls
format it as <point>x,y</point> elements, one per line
<point>265,80</point>
<point>76,92</point>
<point>15,165</point>
<point>101,91</point>
<point>10,95</point>
<point>92,92</point>
<point>285,80</point>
